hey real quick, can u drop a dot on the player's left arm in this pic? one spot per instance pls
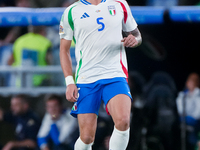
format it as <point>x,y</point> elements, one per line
<point>132,38</point>
<point>132,34</point>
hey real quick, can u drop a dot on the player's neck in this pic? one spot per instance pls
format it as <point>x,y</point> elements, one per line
<point>94,2</point>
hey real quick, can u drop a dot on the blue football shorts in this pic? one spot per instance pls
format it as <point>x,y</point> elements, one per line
<point>91,95</point>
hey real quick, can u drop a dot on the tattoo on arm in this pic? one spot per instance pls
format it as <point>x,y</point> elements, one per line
<point>135,33</point>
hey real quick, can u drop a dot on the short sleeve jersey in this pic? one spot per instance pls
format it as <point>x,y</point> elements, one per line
<point>97,32</point>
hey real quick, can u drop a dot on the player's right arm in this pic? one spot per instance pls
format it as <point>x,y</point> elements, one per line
<point>66,32</point>
<point>66,64</point>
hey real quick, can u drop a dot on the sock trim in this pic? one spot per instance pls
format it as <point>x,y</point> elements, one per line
<point>122,132</point>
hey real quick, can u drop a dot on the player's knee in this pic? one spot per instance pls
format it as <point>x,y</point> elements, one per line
<point>123,123</point>
<point>87,139</point>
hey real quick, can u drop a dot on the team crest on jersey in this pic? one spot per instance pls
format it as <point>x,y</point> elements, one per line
<point>61,30</point>
<point>112,10</point>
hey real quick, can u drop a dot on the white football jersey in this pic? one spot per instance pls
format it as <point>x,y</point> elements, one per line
<point>97,32</point>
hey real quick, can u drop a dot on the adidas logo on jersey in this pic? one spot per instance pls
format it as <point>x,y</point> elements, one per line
<point>85,15</point>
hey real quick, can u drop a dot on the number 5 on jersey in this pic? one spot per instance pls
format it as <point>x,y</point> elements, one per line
<point>100,23</point>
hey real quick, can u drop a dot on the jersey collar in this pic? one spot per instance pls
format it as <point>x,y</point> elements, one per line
<point>87,3</point>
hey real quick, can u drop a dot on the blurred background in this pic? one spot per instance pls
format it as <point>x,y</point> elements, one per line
<point>163,75</point>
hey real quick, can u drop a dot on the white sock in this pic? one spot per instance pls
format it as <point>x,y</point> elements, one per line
<point>119,139</point>
<point>80,145</point>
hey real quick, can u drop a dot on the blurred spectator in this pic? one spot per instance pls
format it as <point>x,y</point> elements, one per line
<point>9,35</point>
<point>58,126</point>
<point>161,116</point>
<point>31,49</point>
<point>26,124</point>
<point>160,78</point>
<point>188,104</point>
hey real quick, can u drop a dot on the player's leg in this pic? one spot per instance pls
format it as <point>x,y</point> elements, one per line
<point>86,109</point>
<point>119,108</point>
<point>117,98</point>
<point>87,127</point>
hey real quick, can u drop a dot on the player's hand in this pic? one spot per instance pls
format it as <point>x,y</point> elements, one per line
<point>72,93</point>
<point>130,41</point>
